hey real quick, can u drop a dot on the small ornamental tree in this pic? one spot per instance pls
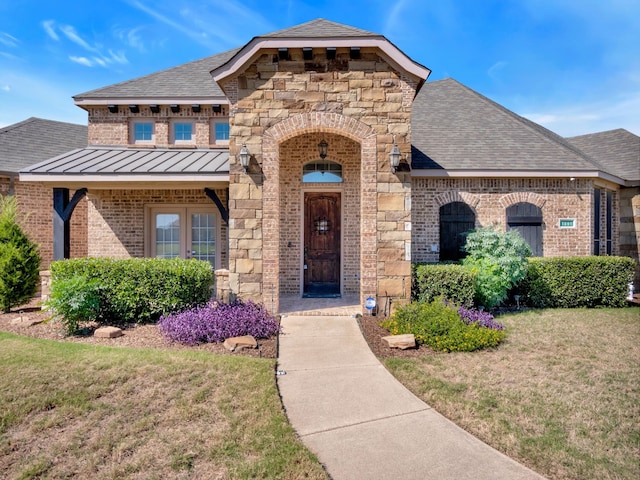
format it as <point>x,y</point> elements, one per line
<point>19,259</point>
<point>499,261</point>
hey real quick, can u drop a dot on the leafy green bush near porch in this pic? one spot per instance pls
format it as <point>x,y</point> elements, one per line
<point>440,326</point>
<point>569,282</point>
<point>450,281</point>
<point>139,290</point>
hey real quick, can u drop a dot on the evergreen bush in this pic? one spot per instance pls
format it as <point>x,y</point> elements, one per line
<point>19,259</point>
<point>498,260</point>
<point>75,300</point>
<point>453,282</point>
<point>139,290</point>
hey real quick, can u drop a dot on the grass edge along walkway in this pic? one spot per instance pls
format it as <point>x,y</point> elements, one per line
<point>70,410</point>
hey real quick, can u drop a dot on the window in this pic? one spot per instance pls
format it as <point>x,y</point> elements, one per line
<point>142,132</point>
<point>322,171</point>
<point>220,132</point>
<point>456,220</point>
<point>185,232</point>
<point>609,220</point>
<point>596,221</point>
<point>183,132</point>
<point>526,218</point>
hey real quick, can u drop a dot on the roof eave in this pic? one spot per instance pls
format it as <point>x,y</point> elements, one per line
<point>250,51</point>
<point>92,101</point>
<point>568,174</point>
<point>127,180</point>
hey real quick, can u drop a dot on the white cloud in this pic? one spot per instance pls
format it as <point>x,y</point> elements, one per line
<point>8,40</point>
<point>6,88</point>
<point>131,37</point>
<point>48,26</point>
<point>81,60</point>
<point>494,70</point>
<point>71,34</point>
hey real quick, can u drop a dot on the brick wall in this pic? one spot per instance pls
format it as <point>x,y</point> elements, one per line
<point>118,225</point>
<point>489,199</point>
<point>35,206</point>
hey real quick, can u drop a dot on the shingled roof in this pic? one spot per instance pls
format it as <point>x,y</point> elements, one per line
<point>35,139</point>
<point>456,128</point>
<point>188,80</point>
<point>320,28</point>
<point>618,150</point>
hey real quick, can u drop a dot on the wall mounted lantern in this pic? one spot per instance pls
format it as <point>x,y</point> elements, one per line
<point>154,108</point>
<point>175,108</point>
<point>394,156</point>
<point>322,149</point>
<point>113,108</point>
<point>245,157</point>
<point>195,108</point>
<point>134,108</point>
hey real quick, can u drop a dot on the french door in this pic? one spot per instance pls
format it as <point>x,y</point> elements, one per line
<point>185,232</point>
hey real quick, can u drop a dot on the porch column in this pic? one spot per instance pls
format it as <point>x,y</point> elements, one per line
<point>62,210</point>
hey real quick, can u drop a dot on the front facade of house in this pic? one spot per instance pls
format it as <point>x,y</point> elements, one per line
<point>274,162</point>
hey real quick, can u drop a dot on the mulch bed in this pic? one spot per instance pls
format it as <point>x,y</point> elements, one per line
<point>149,336</point>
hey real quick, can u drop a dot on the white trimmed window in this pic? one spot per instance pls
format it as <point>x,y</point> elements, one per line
<point>142,132</point>
<point>183,231</point>
<point>220,132</point>
<point>183,133</point>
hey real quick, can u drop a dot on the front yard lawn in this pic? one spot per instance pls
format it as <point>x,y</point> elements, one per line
<point>79,411</point>
<point>561,394</point>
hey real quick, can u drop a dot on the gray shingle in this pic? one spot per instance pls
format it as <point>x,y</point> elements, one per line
<point>320,28</point>
<point>618,150</point>
<point>130,161</point>
<point>35,139</point>
<point>187,80</point>
<point>456,128</point>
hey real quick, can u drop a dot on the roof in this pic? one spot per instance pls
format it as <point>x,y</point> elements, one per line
<point>320,28</point>
<point>454,128</point>
<point>618,150</point>
<point>44,138</point>
<point>190,80</point>
<point>120,163</point>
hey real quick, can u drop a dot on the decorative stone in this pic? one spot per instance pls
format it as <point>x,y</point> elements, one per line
<point>238,343</point>
<point>108,332</point>
<point>401,341</point>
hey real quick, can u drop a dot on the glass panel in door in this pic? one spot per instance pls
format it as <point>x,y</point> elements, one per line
<point>167,235</point>
<point>203,237</point>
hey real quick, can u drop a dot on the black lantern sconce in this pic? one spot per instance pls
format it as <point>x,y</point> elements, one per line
<point>322,225</point>
<point>322,149</point>
<point>245,157</point>
<point>394,156</point>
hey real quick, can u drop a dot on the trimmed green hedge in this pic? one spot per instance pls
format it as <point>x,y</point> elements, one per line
<point>139,290</point>
<point>570,282</point>
<point>450,281</point>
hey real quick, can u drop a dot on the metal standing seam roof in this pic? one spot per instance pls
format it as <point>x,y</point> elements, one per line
<point>455,128</point>
<point>128,161</point>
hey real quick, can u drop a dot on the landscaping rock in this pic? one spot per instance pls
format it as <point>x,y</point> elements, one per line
<point>401,341</point>
<point>238,343</point>
<point>108,332</point>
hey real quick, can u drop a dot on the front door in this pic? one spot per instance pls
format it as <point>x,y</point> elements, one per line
<point>322,244</point>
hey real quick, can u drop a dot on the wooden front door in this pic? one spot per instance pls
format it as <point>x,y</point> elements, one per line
<point>322,244</point>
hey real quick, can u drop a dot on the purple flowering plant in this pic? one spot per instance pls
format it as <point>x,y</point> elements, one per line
<point>479,317</point>
<point>215,322</point>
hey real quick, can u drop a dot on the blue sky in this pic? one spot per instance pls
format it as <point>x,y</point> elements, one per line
<point>570,65</point>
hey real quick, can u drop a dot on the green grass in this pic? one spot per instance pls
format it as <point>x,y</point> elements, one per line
<point>561,394</point>
<point>77,411</point>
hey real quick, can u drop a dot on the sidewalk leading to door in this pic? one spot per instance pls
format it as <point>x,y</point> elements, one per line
<point>361,422</point>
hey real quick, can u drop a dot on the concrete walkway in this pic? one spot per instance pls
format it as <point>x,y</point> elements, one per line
<point>361,422</point>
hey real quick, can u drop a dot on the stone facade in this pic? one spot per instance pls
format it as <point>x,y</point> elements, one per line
<point>280,109</point>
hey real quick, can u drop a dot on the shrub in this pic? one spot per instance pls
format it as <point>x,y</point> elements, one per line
<point>499,261</point>
<point>215,322</point>
<point>452,282</point>
<point>19,259</point>
<point>74,300</point>
<point>140,290</point>
<point>577,282</point>
<point>440,327</point>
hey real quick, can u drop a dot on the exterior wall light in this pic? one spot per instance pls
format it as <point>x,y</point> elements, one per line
<point>322,149</point>
<point>394,157</point>
<point>245,157</point>
<point>113,108</point>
